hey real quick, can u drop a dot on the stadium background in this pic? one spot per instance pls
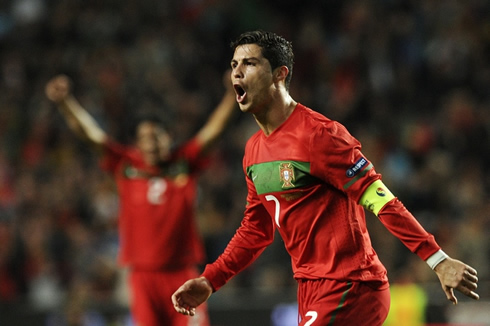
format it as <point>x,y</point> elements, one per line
<point>410,79</point>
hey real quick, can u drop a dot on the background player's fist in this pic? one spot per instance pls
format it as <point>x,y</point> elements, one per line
<point>58,88</point>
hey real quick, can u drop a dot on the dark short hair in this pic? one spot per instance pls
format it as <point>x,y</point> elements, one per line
<point>140,118</point>
<point>275,48</point>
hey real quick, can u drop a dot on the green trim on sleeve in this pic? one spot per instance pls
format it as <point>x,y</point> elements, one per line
<point>363,173</point>
<point>375,197</point>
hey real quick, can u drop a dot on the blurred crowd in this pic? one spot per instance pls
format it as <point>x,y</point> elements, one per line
<point>409,79</point>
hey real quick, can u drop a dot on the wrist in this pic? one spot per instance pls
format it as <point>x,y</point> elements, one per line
<point>436,258</point>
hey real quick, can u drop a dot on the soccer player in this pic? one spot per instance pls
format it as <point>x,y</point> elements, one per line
<point>157,185</point>
<point>307,178</point>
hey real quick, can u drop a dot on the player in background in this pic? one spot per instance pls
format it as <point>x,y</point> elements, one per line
<point>159,239</point>
<point>307,178</point>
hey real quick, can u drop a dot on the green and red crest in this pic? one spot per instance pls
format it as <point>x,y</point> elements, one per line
<point>286,173</point>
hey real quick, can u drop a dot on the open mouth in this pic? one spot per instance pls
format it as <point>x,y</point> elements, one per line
<point>240,93</point>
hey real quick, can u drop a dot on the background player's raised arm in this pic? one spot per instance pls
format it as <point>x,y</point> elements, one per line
<point>220,117</point>
<point>78,119</point>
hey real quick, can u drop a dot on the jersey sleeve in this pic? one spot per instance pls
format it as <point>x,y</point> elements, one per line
<point>192,153</point>
<point>402,224</point>
<point>255,233</point>
<point>336,158</point>
<point>113,154</point>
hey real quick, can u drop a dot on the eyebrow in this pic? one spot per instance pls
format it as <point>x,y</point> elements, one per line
<point>246,59</point>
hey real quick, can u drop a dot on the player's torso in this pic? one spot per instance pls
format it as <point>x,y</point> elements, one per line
<point>280,172</point>
<point>155,189</point>
<point>157,218</point>
<point>308,211</point>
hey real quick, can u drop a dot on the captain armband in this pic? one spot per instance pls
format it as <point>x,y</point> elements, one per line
<point>376,196</point>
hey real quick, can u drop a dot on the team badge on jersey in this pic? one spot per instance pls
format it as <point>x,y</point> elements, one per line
<point>286,173</point>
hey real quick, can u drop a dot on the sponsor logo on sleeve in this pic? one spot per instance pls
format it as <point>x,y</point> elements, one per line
<point>353,170</point>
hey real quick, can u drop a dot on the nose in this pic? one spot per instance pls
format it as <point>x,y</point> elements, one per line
<point>237,71</point>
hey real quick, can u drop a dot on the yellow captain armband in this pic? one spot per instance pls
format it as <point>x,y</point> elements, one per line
<point>375,197</point>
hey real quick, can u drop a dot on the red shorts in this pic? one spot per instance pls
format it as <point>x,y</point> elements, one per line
<point>325,302</point>
<point>151,303</point>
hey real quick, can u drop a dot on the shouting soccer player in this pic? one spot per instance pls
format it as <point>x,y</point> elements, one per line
<point>307,177</point>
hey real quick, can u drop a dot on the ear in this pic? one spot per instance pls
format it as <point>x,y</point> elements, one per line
<point>280,73</point>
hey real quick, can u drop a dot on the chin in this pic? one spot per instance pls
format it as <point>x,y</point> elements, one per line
<point>244,107</point>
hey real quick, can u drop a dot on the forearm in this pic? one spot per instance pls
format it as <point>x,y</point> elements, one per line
<point>229,264</point>
<point>452,273</point>
<point>398,220</point>
<point>81,122</point>
<point>217,121</point>
<point>402,224</point>
<point>249,241</point>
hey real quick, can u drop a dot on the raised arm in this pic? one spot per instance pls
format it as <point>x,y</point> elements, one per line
<point>58,90</point>
<point>219,118</point>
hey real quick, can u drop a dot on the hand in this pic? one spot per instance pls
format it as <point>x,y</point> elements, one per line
<point>191,294</point>
<point>454,274</point>
<point>58,88</point>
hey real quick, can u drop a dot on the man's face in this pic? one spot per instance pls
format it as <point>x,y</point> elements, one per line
<point>153,141</point>
<point>252,78</point>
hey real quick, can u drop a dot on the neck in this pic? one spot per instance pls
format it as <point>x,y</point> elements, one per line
<point>278,112</point>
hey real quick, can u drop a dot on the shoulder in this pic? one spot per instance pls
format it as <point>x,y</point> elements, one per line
<point>190,146</point>
<point>113,147</point>
<point>323,131</point>
<point>317,122</point>
<point>115,154</point>
<point>191,152</point>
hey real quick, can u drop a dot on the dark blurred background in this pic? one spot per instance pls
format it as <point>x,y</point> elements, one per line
<point>409,79</point>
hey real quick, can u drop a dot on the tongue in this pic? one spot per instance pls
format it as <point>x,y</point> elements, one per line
<point>241,97</point>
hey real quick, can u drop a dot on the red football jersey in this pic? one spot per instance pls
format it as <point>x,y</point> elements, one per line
<point>305,180</point>
<point>157,226</point>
